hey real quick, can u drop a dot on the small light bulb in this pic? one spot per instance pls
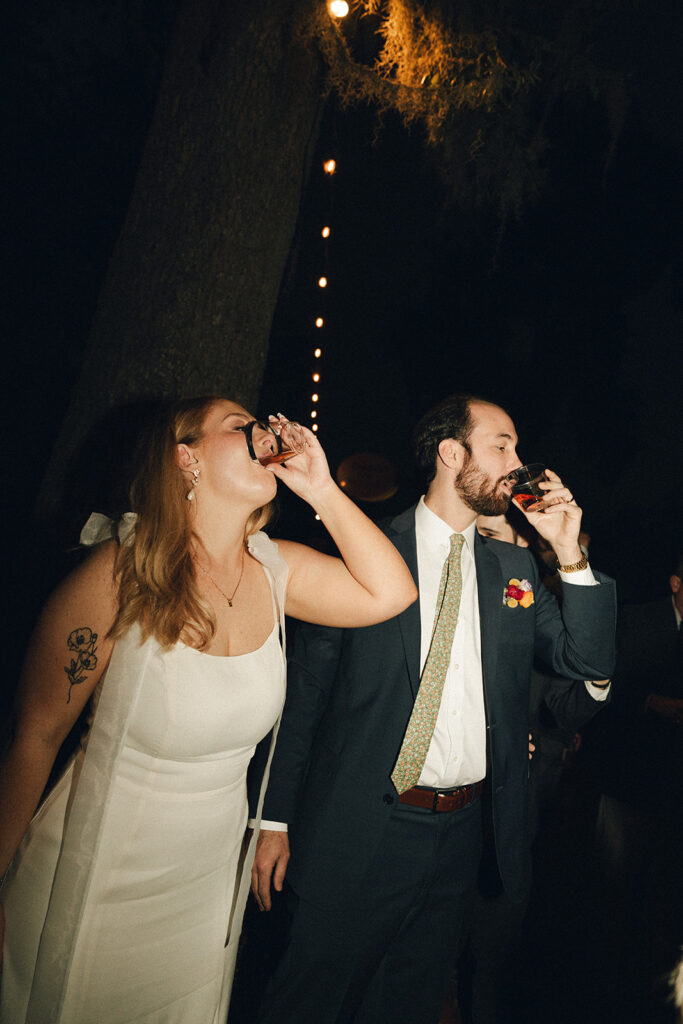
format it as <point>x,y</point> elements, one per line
<point>316,377</point>
<point>330,166</point>
<point>322,282</point>
<point>317,517</point>
<point>338,8</point>
<point>318,352</point>
<point>319,322</point>
<point>314,427</point>
<point>314,413</point>
<point>325,232</point>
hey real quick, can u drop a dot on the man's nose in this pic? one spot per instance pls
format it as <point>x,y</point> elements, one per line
<point>514,461</point>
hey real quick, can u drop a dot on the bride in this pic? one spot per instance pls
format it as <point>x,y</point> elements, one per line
<point>123,893</point>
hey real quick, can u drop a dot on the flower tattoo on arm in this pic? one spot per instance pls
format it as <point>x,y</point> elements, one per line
<point>82,643</point>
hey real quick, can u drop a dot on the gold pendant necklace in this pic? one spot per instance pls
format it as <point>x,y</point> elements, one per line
<point>220,589</point>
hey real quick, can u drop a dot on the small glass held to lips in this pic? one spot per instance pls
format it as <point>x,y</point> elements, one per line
<point>285,440</point>
<point>524,482</point>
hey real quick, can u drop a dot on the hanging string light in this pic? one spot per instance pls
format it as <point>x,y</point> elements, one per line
<point>329,170</point>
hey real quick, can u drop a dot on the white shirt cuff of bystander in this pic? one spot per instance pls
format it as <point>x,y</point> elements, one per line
<point>270,826</point>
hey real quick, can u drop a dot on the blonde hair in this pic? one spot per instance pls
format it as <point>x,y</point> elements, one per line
<point>154,565</point>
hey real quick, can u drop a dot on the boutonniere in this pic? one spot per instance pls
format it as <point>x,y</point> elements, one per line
<point>518,592</point>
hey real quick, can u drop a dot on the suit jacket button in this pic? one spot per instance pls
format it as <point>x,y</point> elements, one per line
<point>388,798</point>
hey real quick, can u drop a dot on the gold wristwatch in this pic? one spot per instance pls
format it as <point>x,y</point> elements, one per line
<point>575,566</point>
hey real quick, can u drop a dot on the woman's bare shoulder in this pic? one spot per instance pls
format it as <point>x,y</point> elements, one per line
<point>91,586</point>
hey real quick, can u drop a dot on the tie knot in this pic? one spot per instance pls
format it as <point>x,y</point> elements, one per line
<point>457,541</point>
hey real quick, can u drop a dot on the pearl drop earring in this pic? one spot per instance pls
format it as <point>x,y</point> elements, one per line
<point>193,483</point>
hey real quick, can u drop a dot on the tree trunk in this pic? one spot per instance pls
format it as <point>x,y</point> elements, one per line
<point>189,295</point>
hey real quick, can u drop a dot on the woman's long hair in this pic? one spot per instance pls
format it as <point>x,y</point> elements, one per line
<point>157,585</point>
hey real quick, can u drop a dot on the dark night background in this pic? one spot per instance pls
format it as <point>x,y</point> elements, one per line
<point>571,319</point>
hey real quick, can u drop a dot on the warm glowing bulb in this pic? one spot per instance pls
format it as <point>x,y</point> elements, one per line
<point>316,377</point>
<point>325,232</point>
<point>314,398</point>
<point>314,427</point>
<point>322,282</point>
<point>317,517</point>
<point>313,414</point>
<point>330,166</point>
<point>319,322</point>
<point>318,352</point>
<point>338,8</point>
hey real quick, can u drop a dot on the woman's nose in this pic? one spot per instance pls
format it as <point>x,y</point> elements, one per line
<point>264,438</point>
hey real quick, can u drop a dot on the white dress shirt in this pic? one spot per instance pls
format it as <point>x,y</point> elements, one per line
<point>457,752</point>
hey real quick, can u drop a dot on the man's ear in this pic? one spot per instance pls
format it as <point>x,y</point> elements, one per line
<point>184,459</point>
<point>451,453</point>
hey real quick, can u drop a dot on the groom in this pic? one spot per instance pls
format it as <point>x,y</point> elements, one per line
<point>402,755</point>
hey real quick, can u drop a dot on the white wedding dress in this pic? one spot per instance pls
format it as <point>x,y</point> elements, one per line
<point>162,882</point>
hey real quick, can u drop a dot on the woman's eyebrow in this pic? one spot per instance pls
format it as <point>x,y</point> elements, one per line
<point>242,416</point>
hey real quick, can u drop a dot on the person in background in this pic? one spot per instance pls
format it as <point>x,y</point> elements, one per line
<point>636,750</point>
<point>489,984</point>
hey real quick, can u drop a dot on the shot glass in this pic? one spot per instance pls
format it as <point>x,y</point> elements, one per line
<point>524,482</point>
<point>284,440</point>
<point>290,440</point>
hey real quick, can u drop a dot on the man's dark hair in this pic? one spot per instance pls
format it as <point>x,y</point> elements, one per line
<point>452,417</point>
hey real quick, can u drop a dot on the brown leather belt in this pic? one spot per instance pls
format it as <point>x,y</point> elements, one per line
<point>442,799</point>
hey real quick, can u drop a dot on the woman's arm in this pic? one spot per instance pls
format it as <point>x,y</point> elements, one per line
<point>370,582</point>
<point>66,657</point>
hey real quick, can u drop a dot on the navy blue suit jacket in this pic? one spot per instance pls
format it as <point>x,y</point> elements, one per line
<point>351,692</point>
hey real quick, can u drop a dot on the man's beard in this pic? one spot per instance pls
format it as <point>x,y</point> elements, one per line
<point>481,496</point>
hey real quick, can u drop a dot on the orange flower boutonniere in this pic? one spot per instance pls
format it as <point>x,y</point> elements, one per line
<point>518,592</point>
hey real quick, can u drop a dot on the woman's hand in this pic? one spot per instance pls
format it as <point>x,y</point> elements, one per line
<point>308,474</point>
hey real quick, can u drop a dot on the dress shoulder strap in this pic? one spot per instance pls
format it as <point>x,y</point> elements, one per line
<point>268,554</point>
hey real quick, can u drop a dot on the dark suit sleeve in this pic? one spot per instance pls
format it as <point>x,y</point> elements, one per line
<point>311,672</point>
<point>571,706</point>
<point>581,643</point>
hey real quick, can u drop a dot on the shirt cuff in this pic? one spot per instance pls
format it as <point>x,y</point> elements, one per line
<point>270,826</point>
<point>582,578</point>
<point>597,692</point>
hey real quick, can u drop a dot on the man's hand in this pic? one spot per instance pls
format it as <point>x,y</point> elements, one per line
<point>531,747</point>
<point>272,856</point>
<point>559,522</point>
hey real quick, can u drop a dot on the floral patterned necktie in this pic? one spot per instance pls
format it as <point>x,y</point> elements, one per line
<point>418,736</point>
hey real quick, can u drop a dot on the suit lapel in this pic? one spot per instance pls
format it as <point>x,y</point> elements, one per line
<point>490,590</point>
<point>403,537</point>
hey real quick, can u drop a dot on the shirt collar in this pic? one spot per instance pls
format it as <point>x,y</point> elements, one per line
<point>435,533</point>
